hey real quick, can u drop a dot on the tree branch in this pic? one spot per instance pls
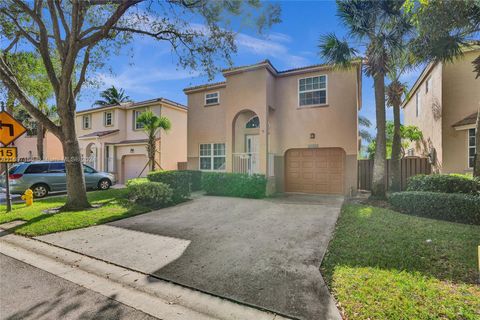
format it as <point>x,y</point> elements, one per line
<point>56,29</point>
<point>103,32</point>
<point>9,80</point>
<point>62,18</point>
<point>81,80</point>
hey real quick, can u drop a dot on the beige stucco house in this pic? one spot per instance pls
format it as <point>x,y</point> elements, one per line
<point>443,103</point>
<point>27,147</point>
<point>298,126</point>
<point>111,140</point>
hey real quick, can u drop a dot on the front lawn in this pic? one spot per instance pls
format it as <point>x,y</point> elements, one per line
<point>113,205</point>
<point>385,265</point>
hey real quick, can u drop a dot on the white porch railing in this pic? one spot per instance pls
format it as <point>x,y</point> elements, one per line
<point>247,162</point>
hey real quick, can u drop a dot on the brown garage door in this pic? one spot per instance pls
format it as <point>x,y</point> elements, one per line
<point>315,170</point>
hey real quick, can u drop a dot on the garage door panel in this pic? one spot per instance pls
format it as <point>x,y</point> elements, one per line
<point>315,170</point>
<point>133,166</point>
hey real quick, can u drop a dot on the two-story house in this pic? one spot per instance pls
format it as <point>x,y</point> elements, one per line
<point>112,140</point>
<point>298,126</point>
<point>443,104</point>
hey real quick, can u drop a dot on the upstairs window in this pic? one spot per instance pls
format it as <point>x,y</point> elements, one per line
<point>212,98</point>
<point>471,147</point>
<point>254,122</point>
<point>136,124</point>
<point>86,121</point>
<point>417,104</point>
<point>312,91</point>
<point>108,118</point>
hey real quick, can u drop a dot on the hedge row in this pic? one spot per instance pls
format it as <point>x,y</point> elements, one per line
<point>234,184</point>
<point>179,181</point>
<point>445,183</point>
<point>150,194</point>
<point>456,207</point>
<point>195,179</point>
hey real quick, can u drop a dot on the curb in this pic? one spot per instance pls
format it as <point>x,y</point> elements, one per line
<point>151,295</point>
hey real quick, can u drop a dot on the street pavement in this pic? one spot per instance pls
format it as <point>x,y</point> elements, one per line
<point>27,293</point>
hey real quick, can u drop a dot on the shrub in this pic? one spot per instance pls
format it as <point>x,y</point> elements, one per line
<point>149,194</point>
<point>234,184</point>
<point>443,183</point>
<point>195,179</point>
<point>179,181</point>
<point>456,207</point>
<point>136,181</point>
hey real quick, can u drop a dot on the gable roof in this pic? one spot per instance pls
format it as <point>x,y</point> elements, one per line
<point>470,119</point>
<point>99,133</point>
<point>129,105</point>
<point>263,64</point>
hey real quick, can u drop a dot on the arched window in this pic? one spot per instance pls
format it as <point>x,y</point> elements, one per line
<point>254,122</point>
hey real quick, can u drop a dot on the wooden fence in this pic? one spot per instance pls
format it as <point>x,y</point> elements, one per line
<point>409,167</point>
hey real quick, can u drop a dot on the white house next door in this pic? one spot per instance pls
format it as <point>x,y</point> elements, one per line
<point>252,148</point>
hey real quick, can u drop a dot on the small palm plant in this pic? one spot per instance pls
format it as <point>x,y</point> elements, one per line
<point>112,96</point>
<point>151,125</point>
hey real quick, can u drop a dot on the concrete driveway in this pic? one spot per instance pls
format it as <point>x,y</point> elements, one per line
<point>265,253</point>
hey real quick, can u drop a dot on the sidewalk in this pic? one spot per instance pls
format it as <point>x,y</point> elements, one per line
<point>140,291</point>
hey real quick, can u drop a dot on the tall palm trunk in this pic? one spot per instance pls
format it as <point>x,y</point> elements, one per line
<point>476,163</point>
<point>151,150</point>
<point>40,137</point>
<point>396,150</point>
<point>378,181</point>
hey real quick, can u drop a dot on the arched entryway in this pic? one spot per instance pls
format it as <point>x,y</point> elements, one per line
<point>91,154</point>
<point>246,142</point>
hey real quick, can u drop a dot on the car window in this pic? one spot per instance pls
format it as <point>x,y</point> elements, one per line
<point>57,167</point>
<point>37,168</point>
<point>87,169</point>
<point>12,169</point>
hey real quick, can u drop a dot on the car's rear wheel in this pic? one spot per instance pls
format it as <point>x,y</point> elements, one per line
<point>104,184</point>
<point>39,190</point>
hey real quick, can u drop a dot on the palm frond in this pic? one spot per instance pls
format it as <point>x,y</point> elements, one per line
<point>337,52</point>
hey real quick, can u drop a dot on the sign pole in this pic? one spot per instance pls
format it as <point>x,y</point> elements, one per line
<point>7,190</point>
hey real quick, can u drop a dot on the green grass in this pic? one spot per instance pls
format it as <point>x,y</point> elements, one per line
<point>379,265</point>
<point>113,205</point>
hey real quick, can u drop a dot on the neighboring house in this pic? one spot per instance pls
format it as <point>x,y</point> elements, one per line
<point>27,147</point>
<point>443,103</point>
<point>298,127</point>
<point>111,140</point>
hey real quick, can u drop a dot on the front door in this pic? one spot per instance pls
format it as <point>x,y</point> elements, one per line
<point>252,149</point>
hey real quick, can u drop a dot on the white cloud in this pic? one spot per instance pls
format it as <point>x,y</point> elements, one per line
<point>141,80</point>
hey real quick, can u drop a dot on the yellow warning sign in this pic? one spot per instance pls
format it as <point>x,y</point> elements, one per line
<point>10,129</point>
<point>8,154</point>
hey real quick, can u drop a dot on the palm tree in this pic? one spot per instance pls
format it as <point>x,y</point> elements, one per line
<point>112,96</point>
<point>378,26</point>
<point>151,125</point>
<point>365,123</point>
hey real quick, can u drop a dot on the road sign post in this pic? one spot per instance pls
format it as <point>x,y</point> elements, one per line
<point>10,130</point>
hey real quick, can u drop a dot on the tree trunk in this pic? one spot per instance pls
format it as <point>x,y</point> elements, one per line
<point>396,151</point>
<point>378,181</point>
<point>476,163</point>
<point>151,151</point>
<point>76,188</point>
<point>40,137</point>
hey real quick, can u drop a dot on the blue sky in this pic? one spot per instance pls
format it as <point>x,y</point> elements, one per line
<point>148,69</point>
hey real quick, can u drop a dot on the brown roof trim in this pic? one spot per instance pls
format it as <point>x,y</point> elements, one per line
<point>129,105</point>
<point>269,66</point>
<point>134,141</point>
<point>470,119</point>
<point>99,133</point>
<point>207,86</point>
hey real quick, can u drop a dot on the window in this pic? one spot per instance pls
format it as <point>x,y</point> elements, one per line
<point>212,98</point>
<point>254,122</point>
<point>428,84</point>
<point>312,91</point>
<point>108,118</point>
<point>57,167</point>
<point>37,168</point>
<point>471,147</point>
<point>410,152</point>
<point>136,114</point>
<point>86,121</point>
<point>88,169</point>
<point>212,156</point>
<point>417,104</point>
